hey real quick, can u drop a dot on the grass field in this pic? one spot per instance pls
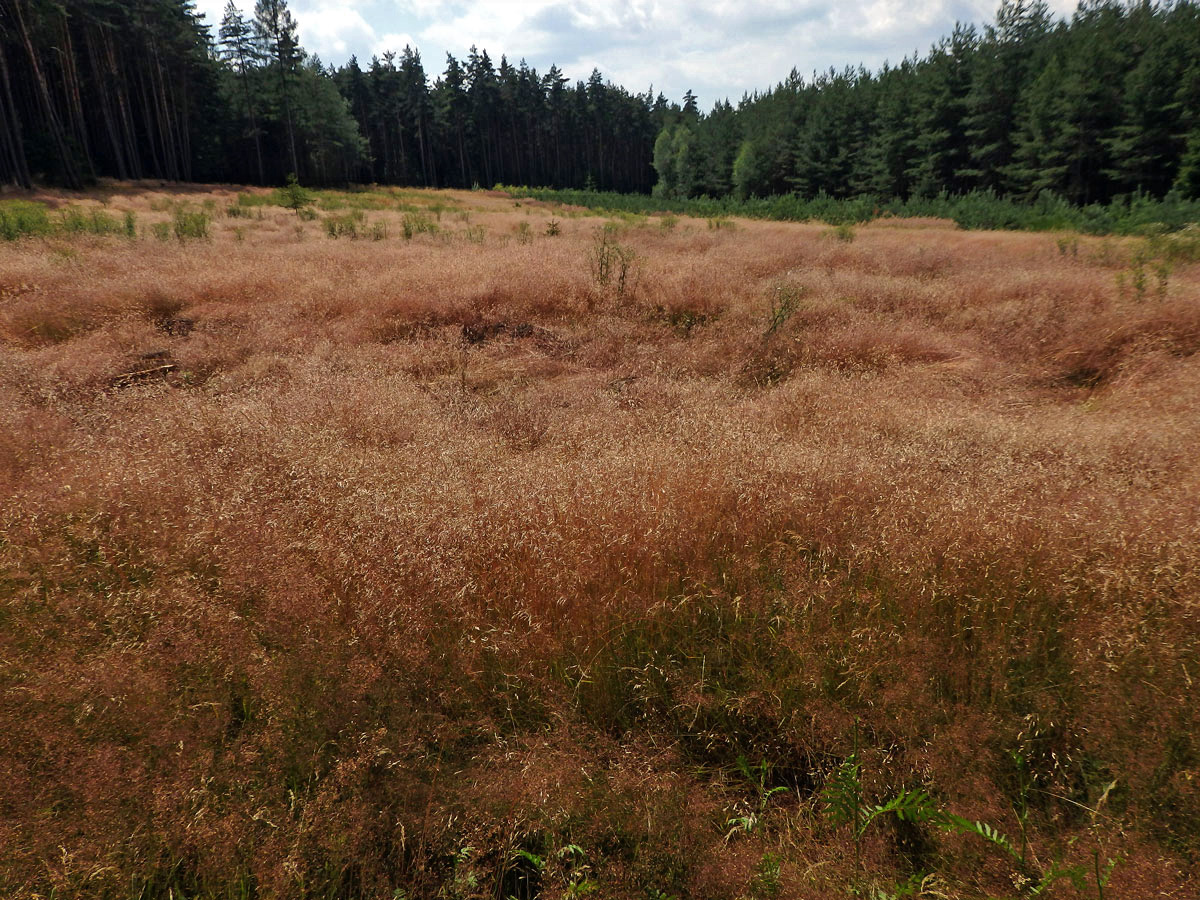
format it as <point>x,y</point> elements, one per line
<point>416,545</point>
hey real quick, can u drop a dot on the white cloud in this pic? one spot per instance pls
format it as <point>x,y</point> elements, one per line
<point>716,48</point>
<point>333,30</point>
<point>394,41</point>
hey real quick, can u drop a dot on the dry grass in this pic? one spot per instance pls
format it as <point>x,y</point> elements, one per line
<point>407,556</point>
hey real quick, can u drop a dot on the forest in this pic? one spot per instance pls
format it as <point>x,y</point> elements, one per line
<point>1103,105</point>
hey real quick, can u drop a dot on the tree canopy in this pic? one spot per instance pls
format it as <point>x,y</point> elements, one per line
<point>1089,108</point>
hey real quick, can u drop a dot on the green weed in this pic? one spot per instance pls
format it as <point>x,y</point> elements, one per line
<point>415,223</point>
<point>611,262</point>
<point>346,226</point>
<point>20,218</point>
<point>190,224</point>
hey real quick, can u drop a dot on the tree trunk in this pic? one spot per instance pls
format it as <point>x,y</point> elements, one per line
<point>12,128</point>
<point>70,170</point>
<point>106,109</point>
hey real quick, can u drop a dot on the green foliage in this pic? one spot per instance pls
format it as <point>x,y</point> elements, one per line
<point>415,223</point>
<point>190,224</point>
<point>20,218</point>
<point>972,210</point>
<point>841,797</point>
<point>766,883</point>
<point>553,229</point>
<point>750,818</point>
<point>349,225</point>
<point>294,197</point>
<point>982,830</point>
<point>1153,260</point>
<point>74,220</point>
<point>676,160</point>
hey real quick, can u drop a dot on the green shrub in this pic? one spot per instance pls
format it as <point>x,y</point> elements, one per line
<point>843,232</point>
<point>346,225</point>
<point>74,220</point>
<point>418,223</point>
<point>294,197</point>
<point>20,218</point>
<point>187,224</point>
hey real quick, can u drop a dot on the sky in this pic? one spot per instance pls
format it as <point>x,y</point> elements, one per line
<point>719,50</point>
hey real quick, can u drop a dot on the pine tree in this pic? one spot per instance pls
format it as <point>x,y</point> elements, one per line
<point>237,40</point>
<point>275,30</point>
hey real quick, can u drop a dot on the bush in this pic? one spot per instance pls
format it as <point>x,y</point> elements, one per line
<point>294,197</point>
<point>353,225</point>
<point>19,218</point>
<point>77,221</point>
<point>189,224</point>
<point>417,223</point>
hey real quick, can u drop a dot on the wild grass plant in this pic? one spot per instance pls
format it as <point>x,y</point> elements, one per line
<point>432,569</point>
<point>188,223</point>
<point>415,223</point>
<point>19,218</point>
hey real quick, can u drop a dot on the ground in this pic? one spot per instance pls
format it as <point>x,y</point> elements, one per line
<point>441,544</point>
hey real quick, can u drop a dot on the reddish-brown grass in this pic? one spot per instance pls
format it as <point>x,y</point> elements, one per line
<point>420,554</point>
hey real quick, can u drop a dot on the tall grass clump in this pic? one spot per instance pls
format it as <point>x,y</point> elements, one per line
<point>353,225</point>
<point>20,218</point>
<point>346,226</point>
<point>611,262</point>
<point>190,224</point>
<point>415,223</point>
<point>74,220</point>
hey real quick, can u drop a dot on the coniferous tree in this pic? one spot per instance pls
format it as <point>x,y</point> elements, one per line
<point>237,40</point>
<point>1100,105</point>
<point>275,30</point>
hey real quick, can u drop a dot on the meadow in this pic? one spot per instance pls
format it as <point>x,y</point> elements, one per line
<point>398,544</point>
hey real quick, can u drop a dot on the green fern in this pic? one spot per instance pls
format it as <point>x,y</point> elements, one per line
<point>907,806</point>
<point>950,822</point>
<point>842,795</point>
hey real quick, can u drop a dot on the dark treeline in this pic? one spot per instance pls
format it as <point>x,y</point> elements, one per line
<point>1105,104</point>
<point>146,89</point>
